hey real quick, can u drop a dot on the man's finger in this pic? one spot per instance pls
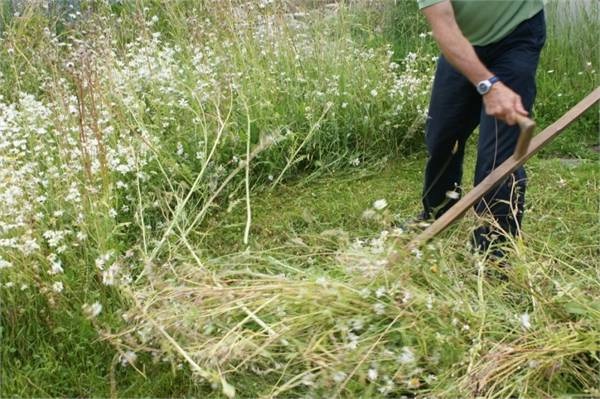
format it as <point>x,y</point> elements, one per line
<point>519,106</point>
<point>510,117</point>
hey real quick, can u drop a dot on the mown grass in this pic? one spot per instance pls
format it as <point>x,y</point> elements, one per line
<point>333,160</point>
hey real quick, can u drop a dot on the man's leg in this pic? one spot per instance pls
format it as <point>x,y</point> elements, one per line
<point>516,67</point>
<point>454,112</point>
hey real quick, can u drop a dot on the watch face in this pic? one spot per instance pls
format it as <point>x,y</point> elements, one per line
<point>483,87</point>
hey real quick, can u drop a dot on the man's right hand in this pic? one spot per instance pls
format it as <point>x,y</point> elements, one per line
<point>503,103</point>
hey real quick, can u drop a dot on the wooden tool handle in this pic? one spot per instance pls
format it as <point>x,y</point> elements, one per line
<point>527,126</point>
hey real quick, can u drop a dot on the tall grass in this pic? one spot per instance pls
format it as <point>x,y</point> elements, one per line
<point>569,70</point>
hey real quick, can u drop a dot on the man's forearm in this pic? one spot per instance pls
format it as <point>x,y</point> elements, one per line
<point>454,46</point>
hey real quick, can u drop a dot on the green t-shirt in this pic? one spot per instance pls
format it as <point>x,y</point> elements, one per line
<point>488,21</point>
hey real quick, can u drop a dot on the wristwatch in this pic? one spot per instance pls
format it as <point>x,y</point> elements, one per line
<point>486,85</point>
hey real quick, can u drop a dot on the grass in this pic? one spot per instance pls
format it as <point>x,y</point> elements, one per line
<point>559,223</point>
<point>124,182</point>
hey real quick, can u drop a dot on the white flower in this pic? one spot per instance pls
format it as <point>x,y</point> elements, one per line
<point>379,308</point>
<point>4,264</point>
<point>322,281</point>
<point>417,253</point>
<point>380,292</point>
<point>368,214</point>
<point>372,374</point>
<point>109,275</point>
<point>128,357</point>
<point>525,321</point>
<point>339,376</point>
<point>57,286</point>
<point>380,204</point>
<point>374,93</point>
<point>56,267</point>
<point>407,356</point>
<point>92,310</point>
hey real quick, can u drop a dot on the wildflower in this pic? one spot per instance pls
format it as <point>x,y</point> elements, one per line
<point>128,357</point>
<point>407,356</point>
<point>380,292</point>
<point>57,286</point>
<point>56,266</point>
<point>81,236</point>
<point>379,308</point>
<point>380,204</point>
<point>368,214</point>
<point>357,324</point>
<point>344,105</point>
<point>372,374</point>
<point>413,383</point>
<point>374,93</point>
<point>525,321</point>
<point>353,341</point>
<point>388,387</point>
<point>417,253</point>
<point>108,276</point>
<point>4,264</point>
<point>101,261</point>
<point>339,376</point>
<point>322,281</point>
<point>92,310</point>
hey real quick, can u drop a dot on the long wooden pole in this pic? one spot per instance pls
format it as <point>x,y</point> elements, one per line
<point>524,150</point>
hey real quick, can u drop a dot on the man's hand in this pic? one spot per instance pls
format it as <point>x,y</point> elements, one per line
<point>503,103</point>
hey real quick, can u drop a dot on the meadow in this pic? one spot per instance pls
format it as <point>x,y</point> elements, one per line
<point>197,197</point>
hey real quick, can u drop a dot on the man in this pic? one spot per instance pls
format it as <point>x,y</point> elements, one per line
<point>485,76</point>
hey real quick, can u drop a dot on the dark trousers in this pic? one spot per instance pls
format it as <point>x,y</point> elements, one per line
<point>456,109</point>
